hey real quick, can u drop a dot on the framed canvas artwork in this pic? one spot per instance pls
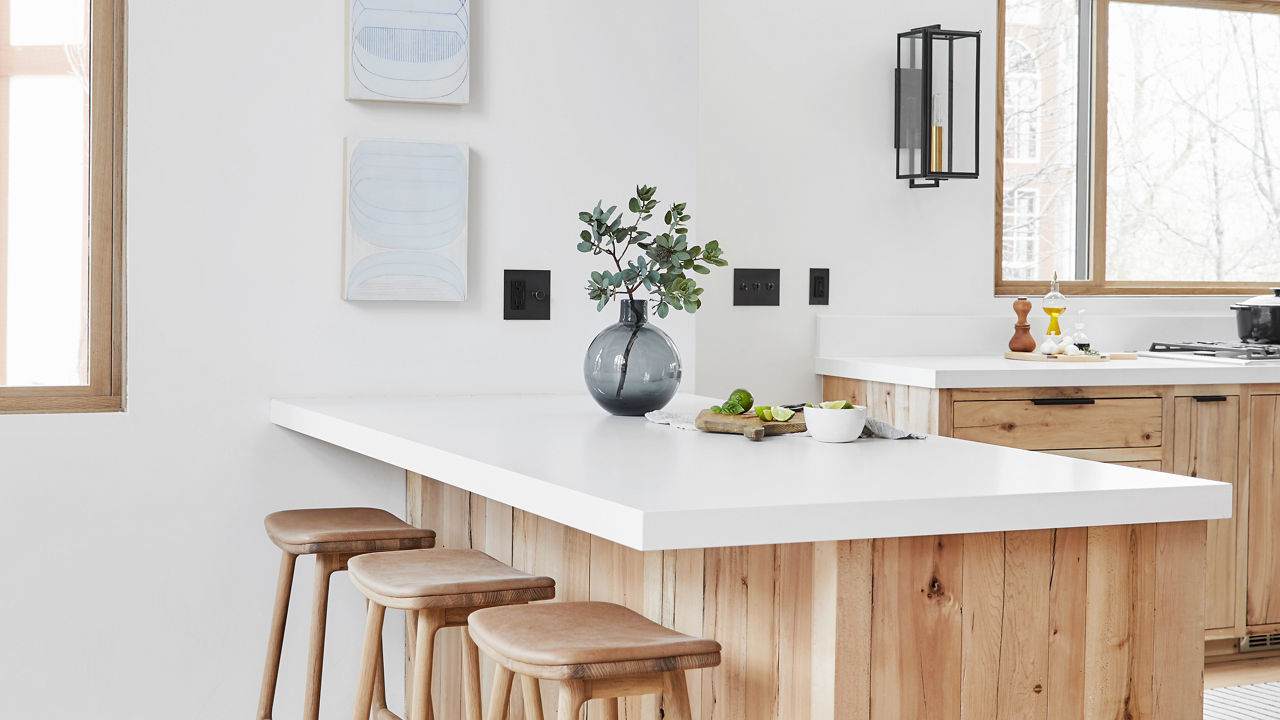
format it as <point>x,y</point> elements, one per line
<point>405,234</point>
<point>409,51</point>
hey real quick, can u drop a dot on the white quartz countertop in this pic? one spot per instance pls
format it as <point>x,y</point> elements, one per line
<point>653,487</point>
<point>982,371</point>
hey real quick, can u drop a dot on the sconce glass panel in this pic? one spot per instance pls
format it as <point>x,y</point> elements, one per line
<point>936,105</point>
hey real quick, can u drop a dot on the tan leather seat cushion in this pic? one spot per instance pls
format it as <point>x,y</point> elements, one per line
<point>579,633</point>
<point>327,525</point>
<point>424,573</point>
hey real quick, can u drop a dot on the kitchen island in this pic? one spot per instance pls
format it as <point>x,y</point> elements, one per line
<point>879,579</point>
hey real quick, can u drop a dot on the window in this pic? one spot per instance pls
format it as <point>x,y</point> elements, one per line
<point>61,190</point>
<point>1023,97</point>
<point>1158,165</point>
<point>1022,234</point>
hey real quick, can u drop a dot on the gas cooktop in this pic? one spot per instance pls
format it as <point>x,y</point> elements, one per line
<point>1239,353</point>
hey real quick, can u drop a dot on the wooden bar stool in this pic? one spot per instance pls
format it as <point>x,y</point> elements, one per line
<point>594,649</point>
<point>333,535</point>
<point>441,588</point>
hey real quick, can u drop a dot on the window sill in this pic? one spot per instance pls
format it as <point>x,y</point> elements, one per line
<point>34,405</point>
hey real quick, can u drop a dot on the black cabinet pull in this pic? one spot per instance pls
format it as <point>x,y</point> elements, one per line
<point>1063,401</point>
<point>1211,398</point>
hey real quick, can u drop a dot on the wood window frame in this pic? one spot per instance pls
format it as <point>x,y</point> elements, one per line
<point>1098,283</point>
<point>105,239</point>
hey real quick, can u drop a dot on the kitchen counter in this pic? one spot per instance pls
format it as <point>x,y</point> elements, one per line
<point>993,371</point>
<point>562,458</point>
<point>890,576</point>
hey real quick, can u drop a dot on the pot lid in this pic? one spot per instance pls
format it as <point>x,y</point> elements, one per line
<point>1272,300</point>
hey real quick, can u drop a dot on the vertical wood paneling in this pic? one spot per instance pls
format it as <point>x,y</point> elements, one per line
<point>762,632</point>
<point>916,635</point>
<point>794,598</point>
<point>1107,623</point>
<point>1064,683</point>
<point>1142,620</point>
<point>1024,649</point>
<point>1206,445</point>
<point>724,691</point>
<point>1263,590</point>
<point>963,627</point>
<point>1178,685</point>
<point>984,590</point>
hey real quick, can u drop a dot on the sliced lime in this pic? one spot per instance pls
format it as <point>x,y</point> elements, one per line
<point>781,414</point>
<point>837,405</point>
<point>764,414</point>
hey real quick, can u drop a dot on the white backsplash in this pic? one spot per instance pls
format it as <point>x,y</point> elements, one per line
<point>899,335</point>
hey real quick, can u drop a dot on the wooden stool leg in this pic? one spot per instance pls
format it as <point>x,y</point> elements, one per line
<point>573,693</point>
<point>284,585</point>
<point>326,564</point>
<point>675,696</point>
<point>470,677</point>
<point>410,642</point>
<point>610,708</point>
<point>379,680</point>
<point>429,621</point>
<point>532,692</point>
<point>500,693</point>
<point>370,658</point>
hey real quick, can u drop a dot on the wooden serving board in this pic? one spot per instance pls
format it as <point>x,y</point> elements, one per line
<point>1040,357</point>
<point>750,426</point>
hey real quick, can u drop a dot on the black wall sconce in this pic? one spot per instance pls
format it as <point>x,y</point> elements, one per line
<point>936,107</point>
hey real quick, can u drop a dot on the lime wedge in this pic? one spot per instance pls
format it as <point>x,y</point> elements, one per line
<point>837,405</point>
<point>764,413</point>
<point>781,414</point>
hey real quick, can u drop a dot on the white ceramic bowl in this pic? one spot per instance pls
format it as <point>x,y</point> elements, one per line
<point>835,426</point>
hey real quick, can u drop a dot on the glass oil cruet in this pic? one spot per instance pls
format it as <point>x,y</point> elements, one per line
<point>1055,303</point>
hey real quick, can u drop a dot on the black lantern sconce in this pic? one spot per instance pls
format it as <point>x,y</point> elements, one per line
<point>936,108</point>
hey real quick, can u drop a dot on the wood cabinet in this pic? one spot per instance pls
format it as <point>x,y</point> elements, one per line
<point>1263,585</point>
<point>1229,433</point>
<point>1206,444</point>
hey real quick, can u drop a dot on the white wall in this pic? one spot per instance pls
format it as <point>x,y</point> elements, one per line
<point>795,170</point>
<point>138,581</point>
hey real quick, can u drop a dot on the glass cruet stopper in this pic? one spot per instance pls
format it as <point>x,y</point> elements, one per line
<point>1055,303</point>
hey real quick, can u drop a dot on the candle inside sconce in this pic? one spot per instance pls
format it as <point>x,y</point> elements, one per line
<point>935,146</point>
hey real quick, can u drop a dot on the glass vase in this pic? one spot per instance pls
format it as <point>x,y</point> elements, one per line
<point>632,367</point>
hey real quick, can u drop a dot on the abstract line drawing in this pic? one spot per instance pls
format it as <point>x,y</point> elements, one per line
<point>405,235</point>
<point>409,51</point>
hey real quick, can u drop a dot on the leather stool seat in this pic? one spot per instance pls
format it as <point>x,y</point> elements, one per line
<point>417,579</point>
<point>556,640</point>
<point>358,529</point>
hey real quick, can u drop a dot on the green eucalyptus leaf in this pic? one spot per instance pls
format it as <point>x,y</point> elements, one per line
<point>663,310</point>
<point>702,270</point>
<point>585,247</point>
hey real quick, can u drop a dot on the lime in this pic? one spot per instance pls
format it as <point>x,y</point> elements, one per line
<point>742,398</point>
<point>837,405</point>
<point>764,414</point>
<point>781,414</point>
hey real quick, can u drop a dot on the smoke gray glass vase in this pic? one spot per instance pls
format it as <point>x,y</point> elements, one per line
<point>632,367</point>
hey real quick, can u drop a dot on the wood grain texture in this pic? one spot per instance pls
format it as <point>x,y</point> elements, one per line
<point>1105,423</point>
<point>1263,589</point>
<point>1069,624</point>
<point>911,408</point>
<point>1206,445</point>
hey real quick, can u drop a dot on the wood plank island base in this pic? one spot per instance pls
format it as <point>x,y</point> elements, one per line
<point>1053,624</point>
<point>873,580</point>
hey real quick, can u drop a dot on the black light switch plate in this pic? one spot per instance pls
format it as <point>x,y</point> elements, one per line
<point>819,286</point>
<point>526,295</point>
<point>755,286</point>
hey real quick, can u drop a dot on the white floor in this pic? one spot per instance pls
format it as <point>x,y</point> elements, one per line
<point>1244,702</point>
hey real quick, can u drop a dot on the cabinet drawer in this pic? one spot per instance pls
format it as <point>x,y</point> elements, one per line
<point>1061,424</point>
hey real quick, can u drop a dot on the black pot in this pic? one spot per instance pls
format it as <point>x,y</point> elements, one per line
<point>1258,318</point>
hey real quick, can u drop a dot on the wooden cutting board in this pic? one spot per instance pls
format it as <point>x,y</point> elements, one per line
<point>1039,357</point>
<point>750,426</point>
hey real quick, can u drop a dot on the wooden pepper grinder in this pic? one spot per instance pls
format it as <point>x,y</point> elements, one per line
<point>1022,340</point>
